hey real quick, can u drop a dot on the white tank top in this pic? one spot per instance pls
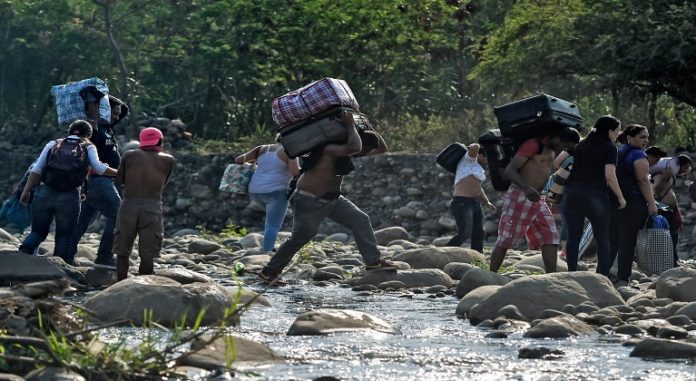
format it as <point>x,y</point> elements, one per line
<point>272,173</point>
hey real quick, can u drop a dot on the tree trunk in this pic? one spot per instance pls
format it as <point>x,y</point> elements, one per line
<point>652,112</point>
<point>615,101</point>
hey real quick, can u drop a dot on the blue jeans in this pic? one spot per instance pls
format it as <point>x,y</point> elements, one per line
<point>276,204</point>
<point>592,203</point>
<point>468,213</point>
<point>102,197</point>
<point>46,205</point>
<point>309,212</point>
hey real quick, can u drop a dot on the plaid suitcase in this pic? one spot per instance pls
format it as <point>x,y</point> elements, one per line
<point>315,98</point>
<point>536,116</point>
<point>70,106</point>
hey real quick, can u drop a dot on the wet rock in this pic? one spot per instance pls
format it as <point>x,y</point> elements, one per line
<point>19,268</point>
<point>688,310</point>
<point>456,270</point>
<point>321,275</point>
<point>438,257</point>
<point>512,312</point>
<point>664,349</point>
<point>167,299</point>
<point>389,234</point>
<point>244,295</point>
<point>488,323</point>
<point>392,284</point>
<point>631,330</point>
<point>671,332</point>
<point>679,320</point>
<point>534,294</point>
<point>52,374</point>
<point>100,277</point>
<point>678,284</point>
<point>476,277</point>
<point>203,246</point>
<point>365,287</point>
<point>559,327</point>
<point>338,237</point>
<point>497,334</point>
<point>540,353</point>
<point>411,278</point>
<point>244,350</point>
<point>436,289</point>
<point>473,298</point>
<point>325,321</point>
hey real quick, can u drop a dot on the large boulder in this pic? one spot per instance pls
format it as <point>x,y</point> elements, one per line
<point>678,284</point>
<point>411,278</point>
<point>19,268</point>
<point>389,234</point>
<point>326,321</point>
<point>217,351</point>
<point>476,278</point>
<point>183,275</point>
<point>664,349</point>
<point>438,257</point>
<point>203,246</point>
<point>169,301</point>
<point>534,294</point>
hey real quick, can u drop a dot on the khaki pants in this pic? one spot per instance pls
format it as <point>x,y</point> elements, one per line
<point>141,217</point>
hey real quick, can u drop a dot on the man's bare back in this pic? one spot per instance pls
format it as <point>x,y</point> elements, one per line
<point>144,174</point>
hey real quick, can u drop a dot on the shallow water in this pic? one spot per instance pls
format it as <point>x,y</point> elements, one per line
<point>433,345</point>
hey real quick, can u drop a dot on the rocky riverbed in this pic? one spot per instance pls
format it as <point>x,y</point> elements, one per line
<point>442,315</point>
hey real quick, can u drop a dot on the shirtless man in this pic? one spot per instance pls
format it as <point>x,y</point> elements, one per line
<point>318,197</point>
<point>143,173</point>
<point>525,212</point>
<point>468,197</point>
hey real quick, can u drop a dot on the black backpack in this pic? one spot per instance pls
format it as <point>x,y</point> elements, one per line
<point>66,165</point>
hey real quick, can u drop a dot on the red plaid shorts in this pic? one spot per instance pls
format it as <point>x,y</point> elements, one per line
<point>521,217</point>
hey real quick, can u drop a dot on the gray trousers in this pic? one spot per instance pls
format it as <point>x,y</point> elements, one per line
<point>309,212</point>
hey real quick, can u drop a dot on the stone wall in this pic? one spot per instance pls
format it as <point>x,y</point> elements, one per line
<point>407,190</point>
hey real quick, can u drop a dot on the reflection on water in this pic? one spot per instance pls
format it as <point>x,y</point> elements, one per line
<point>434,345</point>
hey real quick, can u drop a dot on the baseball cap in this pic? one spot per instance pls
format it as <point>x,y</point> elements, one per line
<point>150,136</point>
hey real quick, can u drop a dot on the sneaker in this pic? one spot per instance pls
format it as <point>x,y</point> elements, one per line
<point>272,280</point>
<point>382,265</point>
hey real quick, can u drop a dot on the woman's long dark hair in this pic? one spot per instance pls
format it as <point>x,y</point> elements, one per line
<point>604,124</point>
<point>81,128</point>
<point>630,130</point>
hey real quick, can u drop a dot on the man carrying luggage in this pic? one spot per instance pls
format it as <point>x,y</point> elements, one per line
<point>143,173</point>
<point>102,196</point>
<point>524,211</point>
<point>318,196</point>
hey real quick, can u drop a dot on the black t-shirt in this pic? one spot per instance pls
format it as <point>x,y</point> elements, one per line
<point>107,148</point>
<point>591,155</point>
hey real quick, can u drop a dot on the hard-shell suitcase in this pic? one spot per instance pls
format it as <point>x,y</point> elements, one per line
<point>499,151</point>
<point>302,138</point>
<point>311,100</point>
<point>450,156</point>
<point>536,116</point>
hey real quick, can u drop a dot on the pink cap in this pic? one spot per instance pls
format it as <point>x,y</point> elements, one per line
<point>150,136</point>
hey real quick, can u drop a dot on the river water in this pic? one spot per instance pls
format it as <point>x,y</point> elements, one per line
<point>433,345</point>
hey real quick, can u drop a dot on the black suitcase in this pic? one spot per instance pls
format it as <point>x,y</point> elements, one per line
<point>536,116</point>
<point>499,151</point>
<point>450,156</point>
<point>302,138</point>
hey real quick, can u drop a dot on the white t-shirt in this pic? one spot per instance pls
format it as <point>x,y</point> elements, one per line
<point>469,166</point>
<point>664,163</point>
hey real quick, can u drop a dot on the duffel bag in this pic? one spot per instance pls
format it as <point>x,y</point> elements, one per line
<point>70,104</point>
<point>313,99</point>
<point>450,156</point>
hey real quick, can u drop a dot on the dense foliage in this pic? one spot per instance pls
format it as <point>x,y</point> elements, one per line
<point>425,71</point>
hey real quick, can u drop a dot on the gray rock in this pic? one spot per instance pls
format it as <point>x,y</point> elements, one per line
<point>678,284</point>
<point>245,351</point>
<point>203,246</point>
<point>688,310</point>
<point>19,268</point>
<point>534,294</point>
<point>183,232</point>
<point>473,298</point>
<point>438,257</point>
<point>476,277</point>
<point>251,241</point>
<point>338,237</point>
<point>182,275</point>
<point>537,261</point>
<point>52,374</point>
<point>671,332</point>
<point>393,284</point>
<point>664,349</point>
<point>321,275</point>
<point>411,278</point>
<point>168,300</point>
<point>540,353</point>
<point>631,330</point>
<point>327,321</point>
<point>512,312</point>
<point>99,277</point>
<point>389,234</point>
<point>559,327</point>
<point>456,270</point>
